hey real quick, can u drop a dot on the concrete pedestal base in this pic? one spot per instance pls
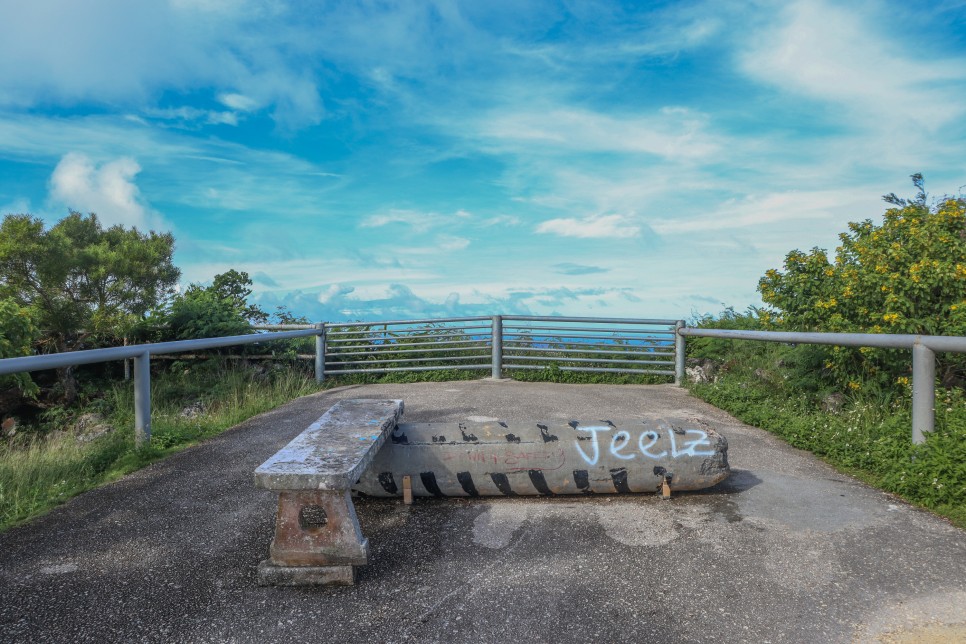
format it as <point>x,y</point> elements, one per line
<point>270,574</point>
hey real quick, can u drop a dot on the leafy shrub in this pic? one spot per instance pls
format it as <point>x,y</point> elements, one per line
<point>905,275</point>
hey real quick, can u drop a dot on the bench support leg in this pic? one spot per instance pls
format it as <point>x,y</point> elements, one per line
<point>317,540</point>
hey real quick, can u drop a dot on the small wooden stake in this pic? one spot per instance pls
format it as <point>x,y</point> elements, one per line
<point>408,490</point>
<point>665,490</point>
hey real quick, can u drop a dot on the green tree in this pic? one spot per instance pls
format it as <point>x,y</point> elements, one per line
<point>82,282</point>
<point>17,336</point>
<point>217,310</point>
<point>905,275</point>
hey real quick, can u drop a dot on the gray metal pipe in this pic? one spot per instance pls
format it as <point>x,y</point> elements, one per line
<point>678,354</point>
<point>923,392</point>
<point>57,360</point>
<point>554,318</point>
<point>142,399</point>
<point>497,344</point>
<point>320,353</point>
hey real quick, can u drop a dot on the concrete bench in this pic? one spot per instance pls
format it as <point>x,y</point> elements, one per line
<point>317,535</point>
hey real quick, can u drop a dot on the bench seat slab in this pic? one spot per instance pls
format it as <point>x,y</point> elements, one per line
<point>334,451</point>
<point>317,535</point>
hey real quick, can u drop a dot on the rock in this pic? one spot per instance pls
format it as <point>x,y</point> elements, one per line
<point>833,403</point>
<point>703,370</point>
<point>89,427</point>
<point>193,410</point>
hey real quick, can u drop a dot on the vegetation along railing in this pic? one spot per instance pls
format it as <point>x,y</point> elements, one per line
<point>924,348</point>
<point>497,343</point>
<point>141,353</point>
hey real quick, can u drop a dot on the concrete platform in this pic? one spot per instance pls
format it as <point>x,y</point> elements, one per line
<point>784,550</point>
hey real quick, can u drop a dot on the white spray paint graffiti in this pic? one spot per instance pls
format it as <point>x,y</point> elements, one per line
<point>621,439</point>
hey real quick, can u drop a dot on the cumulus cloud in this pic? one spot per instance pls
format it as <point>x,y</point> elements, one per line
<point>249,54</point>
<point>451,243</point>
<point>107,189</point>
<point>569,268</point>
<point>594,227</point>
<point>833,52</point>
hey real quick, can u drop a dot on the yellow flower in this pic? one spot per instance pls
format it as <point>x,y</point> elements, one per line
<point>890,317</point>
<point>854,386</point>
<point>902,380</point>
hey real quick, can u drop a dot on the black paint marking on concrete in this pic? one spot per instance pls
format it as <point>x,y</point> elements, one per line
<point>659,471</point>
<point>609,423</point>
<point>582,480</point>
<point>429,482</point>
<point>545,434</point>
<point>439,439</point>
<point>469,438</point>
<point>677,430</point>
<point>387,482</point>
<point>466,480</point>
<point>502,424</point>
<point>512,438</point>
<point>619,476</point>
<point>585,438</point>
<point>620,438</point>
<point>573,424</point>
<point>539,482</point>
<point>503,483</point>
<point>399,439</point>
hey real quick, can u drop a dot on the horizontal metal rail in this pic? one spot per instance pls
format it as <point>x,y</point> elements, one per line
<point>565,359</point>
<point>141,353</point>
<point>507,347</point>
<point>636,321</point>
<point>472,367</point>
<point>417,345</point>
<point>588,329</point>
<point>394,345</point>
<point>923,347</point>
<point>650,372</point>
<point>435,332</point>
<point>397,351</point>
<point>478,318</point>
<point>390,360</point>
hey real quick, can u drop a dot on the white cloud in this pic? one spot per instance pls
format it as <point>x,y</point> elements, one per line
<point>238,102</point>
<point>670,132</point>
<point>450,243</point>
<point>107,189</point>
<point>419,221</point>
<point>835,53</point>
<point>598,226</point>
<point>248,53</point>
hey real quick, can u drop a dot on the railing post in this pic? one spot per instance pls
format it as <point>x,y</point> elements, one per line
<point>320,353</point>
<point>923,392</point>
<point>497,360</point>
<point>142,400</point>
<point>678,353</point>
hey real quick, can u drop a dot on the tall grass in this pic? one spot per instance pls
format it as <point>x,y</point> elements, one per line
<point>52,466</point>
<point>867,432</point>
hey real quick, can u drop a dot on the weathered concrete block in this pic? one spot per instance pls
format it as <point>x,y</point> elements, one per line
<point>317,535</point>
<point>334,450</point>
<point>270,574</point>
<point>579,457</point>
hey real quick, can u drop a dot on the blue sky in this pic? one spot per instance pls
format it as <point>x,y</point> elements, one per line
<point>390,160</point>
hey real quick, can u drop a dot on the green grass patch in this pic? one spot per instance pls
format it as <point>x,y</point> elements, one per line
<point>870,437</point>
<point>49,465</point>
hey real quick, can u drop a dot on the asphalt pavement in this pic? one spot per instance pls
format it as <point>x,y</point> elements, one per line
<point>786,549</point>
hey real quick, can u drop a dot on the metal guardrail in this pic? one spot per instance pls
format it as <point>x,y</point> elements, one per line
<point>504,343</point>
<point>604,345</point>
<point>141,353</point>
<point>924,348</point>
